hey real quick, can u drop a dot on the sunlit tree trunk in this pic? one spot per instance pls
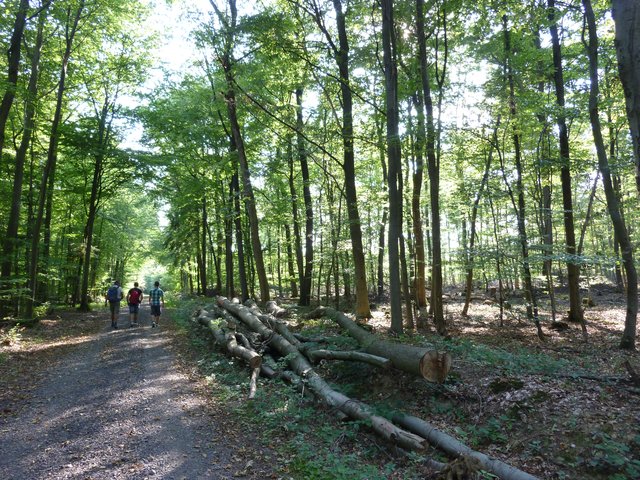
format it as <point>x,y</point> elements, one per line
<point>418,235</point>
<point>395,164</point>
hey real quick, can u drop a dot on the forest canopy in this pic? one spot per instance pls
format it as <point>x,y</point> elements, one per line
<point>340,152</point>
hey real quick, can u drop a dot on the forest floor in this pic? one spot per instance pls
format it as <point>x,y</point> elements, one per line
<point>558,409</point>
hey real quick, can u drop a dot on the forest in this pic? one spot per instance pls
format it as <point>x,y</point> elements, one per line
<point>344,152</point>
<point>428,159</point>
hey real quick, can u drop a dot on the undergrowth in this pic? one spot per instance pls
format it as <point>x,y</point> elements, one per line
<point>310,441</point>
<point>313,442</point>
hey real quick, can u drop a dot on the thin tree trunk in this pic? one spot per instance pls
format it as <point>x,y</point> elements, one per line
<point>532,308</point>
<point>474,217</point>
<point>296,220</point>
<point>104,137</point>
<point>418,235</point>
<point>247,188</point>
<point>434,177</point>
<point>305,285</point>
<point>573,269</point>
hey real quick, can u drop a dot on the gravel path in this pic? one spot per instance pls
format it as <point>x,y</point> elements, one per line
<point>118,407</point>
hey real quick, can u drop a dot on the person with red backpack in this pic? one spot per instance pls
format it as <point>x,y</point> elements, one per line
<point>134,298</point>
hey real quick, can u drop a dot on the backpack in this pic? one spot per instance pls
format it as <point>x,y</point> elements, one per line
<point>112,294</point>
<point>134,296</point>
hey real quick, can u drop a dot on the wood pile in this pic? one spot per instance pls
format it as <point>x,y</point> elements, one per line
<point>247,333</point>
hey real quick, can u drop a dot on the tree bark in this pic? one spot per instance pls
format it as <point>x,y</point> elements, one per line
<point>395,164</point>
<point>316,355</point>
<point>104,138</point>
<point>629,335</point>
<point>421,361</point>
<point>226,62</point>
<point>626,16</point>
<point>573,269</point>
<point>13,67</point>
<point>420,286</point>
<point>434,177</point>
<point>474,216</point>
<point>48,174</point>
<point>532,308</point>
<point>453,447</point>
<point>341,56</point>
<point>11,239</point>
<point>305,282</point>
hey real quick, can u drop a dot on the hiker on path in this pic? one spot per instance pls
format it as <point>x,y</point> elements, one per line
<point>114,296</point>
<point>156,299</point>
<point>134,298</point>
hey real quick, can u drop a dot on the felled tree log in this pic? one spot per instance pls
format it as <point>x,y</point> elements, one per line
<point>316,355</point>
<point>453,447</point>
<point>424,362</point>
<point>228,340</point>
<point>274,309</point>
<point>298,362</point>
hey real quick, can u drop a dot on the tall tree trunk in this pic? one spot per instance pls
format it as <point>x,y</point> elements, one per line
<point>13,66</point>
<point>203,245</point>
<point>573,270</point>
<point>242,271</point>
<point>296,220</point>
<point>228,242</point>
<point>434,177</point>
<point>104,137</point>
<point>305,285</point>
<point>359,265</point>
<point>418,235</point>
<point>293,284</point>
<point>395,164</point>
<point>547,240</point>
<point>52,155</point>
<point>532,308</point>
<point>474,217</point>
<point>626,16</point>
<point>226,62</point>
<point>628,340</point>
<point>11,239</point>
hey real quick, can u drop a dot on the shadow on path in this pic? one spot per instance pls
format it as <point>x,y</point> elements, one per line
<point>117,407</point>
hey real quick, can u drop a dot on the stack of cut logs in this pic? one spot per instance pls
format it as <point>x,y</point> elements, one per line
<point>248,333</point>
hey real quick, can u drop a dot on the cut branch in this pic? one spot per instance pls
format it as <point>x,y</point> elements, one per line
<point>316,355</point>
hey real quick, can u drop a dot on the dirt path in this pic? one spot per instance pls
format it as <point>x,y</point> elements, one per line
<point>118,407</point>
